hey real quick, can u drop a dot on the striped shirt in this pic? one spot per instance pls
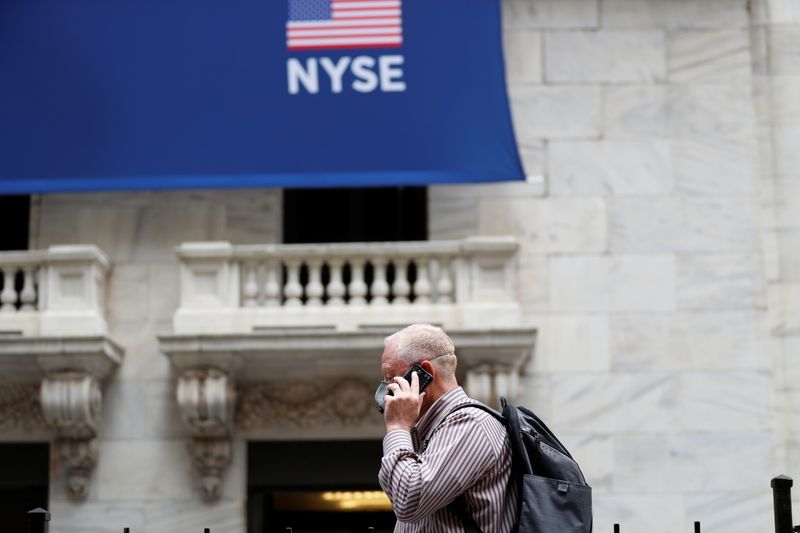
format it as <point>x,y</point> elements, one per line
<point>468,454</point>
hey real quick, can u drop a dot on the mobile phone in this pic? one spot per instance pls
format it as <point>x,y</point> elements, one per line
<point>425,377</point>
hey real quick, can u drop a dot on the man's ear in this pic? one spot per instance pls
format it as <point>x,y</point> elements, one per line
<point>429,368</point>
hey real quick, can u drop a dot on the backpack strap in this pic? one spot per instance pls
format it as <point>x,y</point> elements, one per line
<point>459,506</point>
<point>477,405</point>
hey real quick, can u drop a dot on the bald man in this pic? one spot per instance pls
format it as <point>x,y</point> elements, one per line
<point>430,460</point>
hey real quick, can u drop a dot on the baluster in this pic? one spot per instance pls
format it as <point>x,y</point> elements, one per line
<point>357,287</point>
<point>444,285</point>
<point>336,288</point>
<point>9,295</point>
<point>272,287</point>
<point>433,279</point>
<point>401,288</point>
<point>314,289</point>
<point>28,294</point>
<point>422,287</point>
<point>293,289</point>
<point>250,289</point>
<point>380,287</point>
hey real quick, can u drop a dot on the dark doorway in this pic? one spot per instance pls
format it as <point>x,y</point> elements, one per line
<point>316,487</point>
<point>14,219</point>
<point>24,481</point>
<point>355,215</point>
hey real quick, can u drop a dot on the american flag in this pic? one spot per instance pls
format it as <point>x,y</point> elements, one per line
<point>331,24</point>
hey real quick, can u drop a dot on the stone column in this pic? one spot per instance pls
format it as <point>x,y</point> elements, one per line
<point>487,383</point>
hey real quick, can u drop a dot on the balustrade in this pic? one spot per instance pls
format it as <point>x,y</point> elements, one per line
<point>237,288</point>
<point>19,282</point>
<point>54,291</point>
<point>321,282</point>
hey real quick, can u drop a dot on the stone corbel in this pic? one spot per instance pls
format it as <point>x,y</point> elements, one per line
<point>71,402</point>
<point>206,397</point>
<point>487,382</point>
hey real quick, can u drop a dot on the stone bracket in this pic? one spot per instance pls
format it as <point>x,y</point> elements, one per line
<point>71,403</point>
<point>206,397</point>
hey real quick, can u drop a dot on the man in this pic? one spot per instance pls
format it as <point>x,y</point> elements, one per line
<point>429,462</point>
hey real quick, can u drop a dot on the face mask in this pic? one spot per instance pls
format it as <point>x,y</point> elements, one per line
<point>380,394</point>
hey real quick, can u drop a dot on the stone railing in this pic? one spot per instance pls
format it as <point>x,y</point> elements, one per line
<point>58,291</point>
<point>227,288</point>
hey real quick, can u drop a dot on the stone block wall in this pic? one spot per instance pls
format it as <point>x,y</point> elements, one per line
<point>776,45</point>
<point>657,258</point>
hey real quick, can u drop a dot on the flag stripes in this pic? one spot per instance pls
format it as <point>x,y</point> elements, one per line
<point>344,24</point>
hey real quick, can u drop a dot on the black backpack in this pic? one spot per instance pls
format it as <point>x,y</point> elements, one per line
<point>553,494</point>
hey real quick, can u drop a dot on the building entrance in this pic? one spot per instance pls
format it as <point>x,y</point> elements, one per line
<point>24,483</point>
<point>316,487</point>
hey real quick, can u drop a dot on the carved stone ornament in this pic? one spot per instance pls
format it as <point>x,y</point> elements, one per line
<point>206,397</point>
<point>71,403</point>
<point>303,404</point>
<point>211,456</point>
<point>20,408</point>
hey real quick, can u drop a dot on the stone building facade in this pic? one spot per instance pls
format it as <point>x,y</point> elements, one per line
<point>655,255</point>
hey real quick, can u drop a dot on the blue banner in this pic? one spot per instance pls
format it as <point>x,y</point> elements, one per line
<point>159,94</point>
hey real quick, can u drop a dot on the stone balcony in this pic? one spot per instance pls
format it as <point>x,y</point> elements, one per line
<point>277,340</point>
<point>346,287</point>
<point>56,291</point>
<point>55,351</point>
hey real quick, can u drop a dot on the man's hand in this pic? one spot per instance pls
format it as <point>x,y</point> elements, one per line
<point>402,409</point>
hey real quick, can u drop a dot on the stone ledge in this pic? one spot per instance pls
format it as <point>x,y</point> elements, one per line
<point>303,352</point>
<point>26,359</point>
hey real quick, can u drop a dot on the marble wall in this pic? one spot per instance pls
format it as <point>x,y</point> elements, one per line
<point>658,247</point>
<point>660,262</point>
<point>776,45</point>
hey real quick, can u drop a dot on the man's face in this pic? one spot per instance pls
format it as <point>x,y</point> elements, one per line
<point>393,366</point>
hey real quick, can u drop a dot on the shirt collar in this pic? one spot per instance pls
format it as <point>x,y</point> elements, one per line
<point>441,406</point>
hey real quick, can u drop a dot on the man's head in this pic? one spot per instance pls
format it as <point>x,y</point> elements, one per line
<point>430,347</point>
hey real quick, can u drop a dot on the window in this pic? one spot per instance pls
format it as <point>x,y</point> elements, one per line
<point>316,486</point>
<point>355,215</point>
<point>14,219</point>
